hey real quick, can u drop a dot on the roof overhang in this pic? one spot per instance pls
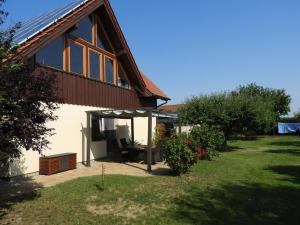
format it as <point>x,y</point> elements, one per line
<point>132,113</point>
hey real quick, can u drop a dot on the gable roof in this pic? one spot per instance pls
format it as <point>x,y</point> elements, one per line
<point>39,31</point>
<point>156,91</point>
<point>42,22</point>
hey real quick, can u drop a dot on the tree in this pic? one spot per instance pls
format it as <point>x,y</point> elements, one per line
<point>297,116</point>
<point>277,97</point>
<point>27,101</point>
<point>247,109</point>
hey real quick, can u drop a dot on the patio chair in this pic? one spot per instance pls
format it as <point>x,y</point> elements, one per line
<point>128,152</point>
<point>124,150</point>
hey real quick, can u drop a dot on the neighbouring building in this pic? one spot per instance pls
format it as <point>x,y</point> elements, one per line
<point>82,45</point>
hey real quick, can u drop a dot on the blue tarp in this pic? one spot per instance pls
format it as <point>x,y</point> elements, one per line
<point>288,128</point>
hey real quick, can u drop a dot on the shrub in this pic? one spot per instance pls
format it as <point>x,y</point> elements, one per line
<point>178,154</point>
<point>207,141</point>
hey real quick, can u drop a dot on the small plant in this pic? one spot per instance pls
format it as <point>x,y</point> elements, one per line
<point>178,154</point>
<point>103,177</point>
<point>207,141</point>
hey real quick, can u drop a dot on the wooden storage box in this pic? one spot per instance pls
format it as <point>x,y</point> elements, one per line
<point>57,163</point>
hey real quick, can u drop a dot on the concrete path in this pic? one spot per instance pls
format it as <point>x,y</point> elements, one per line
<point>22,186</point>
<point>131,169</point>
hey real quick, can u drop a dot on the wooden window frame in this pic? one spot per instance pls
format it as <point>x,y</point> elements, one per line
<point>118,66</point>
<point>98,21</point>
<point>84,54</point>
<point>114,67</point>
<point>100,64</point>
<point>87,47</point>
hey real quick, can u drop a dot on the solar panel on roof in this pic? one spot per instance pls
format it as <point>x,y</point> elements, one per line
<point>40,23</point>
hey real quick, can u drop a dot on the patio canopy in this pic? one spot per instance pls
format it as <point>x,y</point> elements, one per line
<point>128,114</point>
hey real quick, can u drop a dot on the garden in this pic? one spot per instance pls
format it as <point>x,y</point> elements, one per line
<point>253,182</point>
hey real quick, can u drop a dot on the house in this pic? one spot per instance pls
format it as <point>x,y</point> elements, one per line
<point>83,46</point>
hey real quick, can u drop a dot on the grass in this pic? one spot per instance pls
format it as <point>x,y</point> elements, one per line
<point>255,182</point>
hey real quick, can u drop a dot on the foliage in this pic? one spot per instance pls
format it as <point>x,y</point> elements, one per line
<point>178,154</point>
<point>297,116</point>
<point>208,139</point>
<point>247,109</point>
<point>160,133</point>
<point>27,101</point>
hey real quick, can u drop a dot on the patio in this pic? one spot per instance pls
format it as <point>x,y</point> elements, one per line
<point>20,186</point>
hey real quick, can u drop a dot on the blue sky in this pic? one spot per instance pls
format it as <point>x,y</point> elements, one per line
<point>202,46</point>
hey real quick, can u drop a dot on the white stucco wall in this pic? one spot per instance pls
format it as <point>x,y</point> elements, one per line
<point>70,137</point>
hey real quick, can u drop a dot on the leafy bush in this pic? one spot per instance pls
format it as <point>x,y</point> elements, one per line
<point>207,139</point>
<point>247,108</point>
<point>178,154</point>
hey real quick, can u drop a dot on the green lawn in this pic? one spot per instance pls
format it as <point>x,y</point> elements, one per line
<point>256,182</point>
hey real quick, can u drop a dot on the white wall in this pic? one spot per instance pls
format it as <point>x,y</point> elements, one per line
<point>70,137</point>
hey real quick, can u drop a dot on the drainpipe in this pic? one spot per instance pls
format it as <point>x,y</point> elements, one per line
<point>166,101</point>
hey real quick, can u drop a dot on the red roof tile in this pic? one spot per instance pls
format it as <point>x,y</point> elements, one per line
<point>153,88</point>
<point>171,108</point>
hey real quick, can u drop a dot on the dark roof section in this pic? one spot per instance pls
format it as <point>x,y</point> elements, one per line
<point>156,91</point>
<point>36,25</point>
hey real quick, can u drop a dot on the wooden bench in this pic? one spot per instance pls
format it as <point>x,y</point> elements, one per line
<point>57,163</point>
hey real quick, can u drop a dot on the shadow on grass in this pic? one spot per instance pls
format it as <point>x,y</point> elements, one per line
<point>244,204</point>
<point>231,148</point>
<point>286,143</point>
<point>293,173</point>
<point>295,152</point>
<point>15,191</point>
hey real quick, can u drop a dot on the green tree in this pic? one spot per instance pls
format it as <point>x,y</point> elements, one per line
<point>297,116</point>
<point>27,102</point>
<point>247,109</point>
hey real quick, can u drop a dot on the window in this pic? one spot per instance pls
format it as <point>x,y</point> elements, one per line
<point>84,29</point>
<point>53,54</point>
<point>102,41</point>
<point>76,58</point>
<point>94,66</point>
<point>109,71</point>
<point>122,78</point>
<point>97,128</point>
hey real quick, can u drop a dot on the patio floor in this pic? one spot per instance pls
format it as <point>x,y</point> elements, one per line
<point>21,186</point>
<point>131,169</point>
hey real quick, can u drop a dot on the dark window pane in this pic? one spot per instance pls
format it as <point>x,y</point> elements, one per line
<point>53,54</point>
<point>84,29</point>
<point>102,41</point>
<point>123,83</point>
<point>76,58</point>
<point>97,128</point>
<point>122,78</point>
<point>109,70</point>
<point>94,65</point>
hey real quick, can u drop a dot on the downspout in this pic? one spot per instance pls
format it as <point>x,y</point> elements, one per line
<point>166,101</point>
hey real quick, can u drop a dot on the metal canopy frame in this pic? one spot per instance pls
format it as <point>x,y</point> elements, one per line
<point>127,114</point>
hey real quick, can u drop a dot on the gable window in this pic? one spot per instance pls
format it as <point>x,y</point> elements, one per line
<point>102,40</point>
<point>76,58</point>
<point>85,50</point>
<point>109,70</point>
<point>122,77</point>
<point>94,65</point>
<point>84,29</point>
<point>53,54</point>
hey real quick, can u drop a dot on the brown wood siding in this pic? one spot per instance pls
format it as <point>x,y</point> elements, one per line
<point>78,90</point>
